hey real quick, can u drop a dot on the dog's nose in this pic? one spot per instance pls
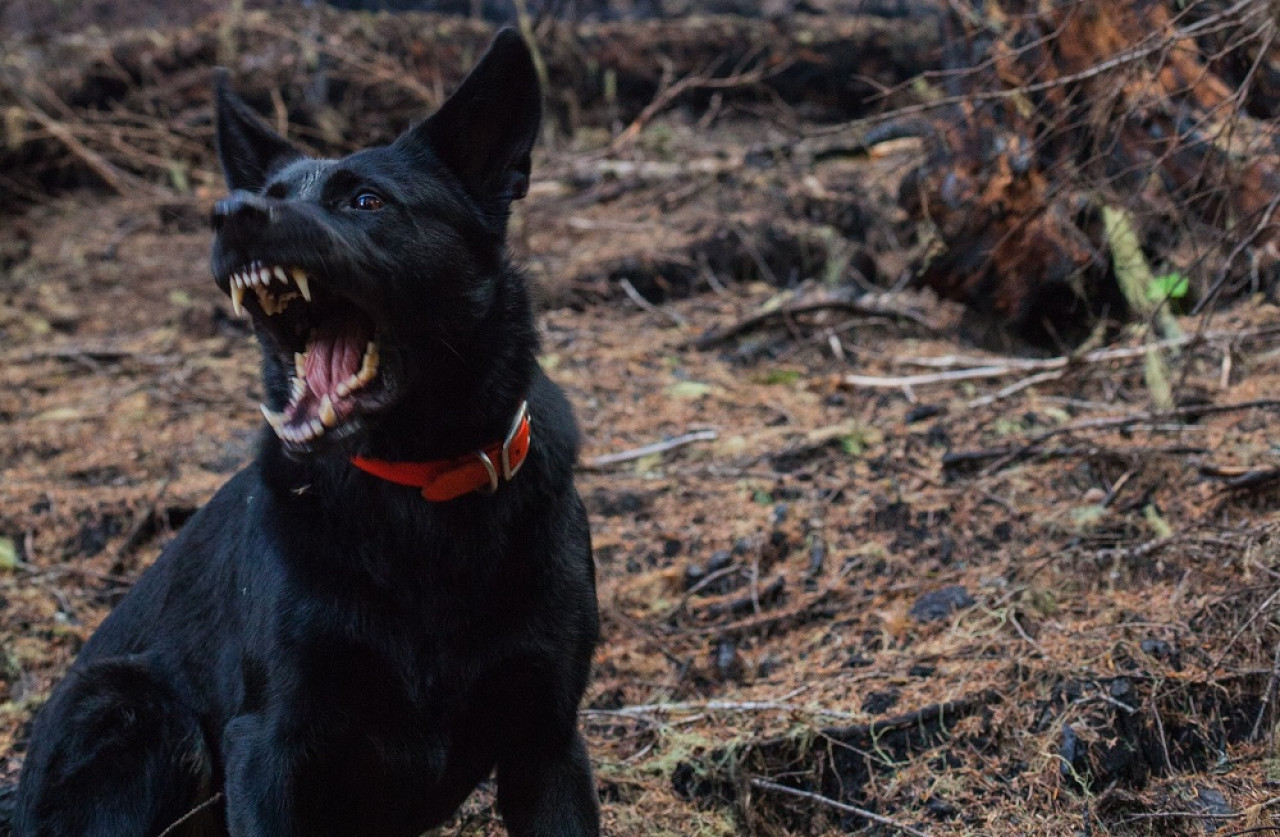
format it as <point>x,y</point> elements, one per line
<point>240,205</point>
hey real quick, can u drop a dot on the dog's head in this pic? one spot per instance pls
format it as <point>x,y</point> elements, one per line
<point>362,273</point>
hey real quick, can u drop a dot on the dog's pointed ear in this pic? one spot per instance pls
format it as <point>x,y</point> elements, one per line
<point>486,130</point>
<point>247,149</point>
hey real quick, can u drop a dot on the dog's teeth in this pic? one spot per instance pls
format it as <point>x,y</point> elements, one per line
<point>300,279</point>
<point>344,389</point>
<point>280,275</point>
<point>369,366</point>
<point>328,416</point>
<point>300,364</point>
<point>237,298</point>
<point>316,427</point>
<point>276,420</point>
<point>299,387</point>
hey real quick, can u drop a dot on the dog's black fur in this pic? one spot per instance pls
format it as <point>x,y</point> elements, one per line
<point>332,652</point>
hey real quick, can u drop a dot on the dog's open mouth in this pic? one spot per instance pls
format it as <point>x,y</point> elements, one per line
<point>337,375</point>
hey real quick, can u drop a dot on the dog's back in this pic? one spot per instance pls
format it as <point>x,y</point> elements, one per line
<point>397,596</point>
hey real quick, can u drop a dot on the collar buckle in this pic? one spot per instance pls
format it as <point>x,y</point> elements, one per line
<point>441,480</point>
<point>492,487</point>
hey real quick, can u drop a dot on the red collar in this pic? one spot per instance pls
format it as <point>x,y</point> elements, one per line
<point>448,479</point>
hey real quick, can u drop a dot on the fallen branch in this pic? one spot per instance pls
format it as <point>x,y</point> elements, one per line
<point>765,784</point>
<point>652,709</point>
<point>1190,412</point>
<point>671,91</point>
<point>865,305</point>
<point>807,753</point>
<point>121,182</point>
<point>956,460</point>
<point>1242,479</point>
<point>646,305</point>
<point>648,450</point>
<point>1014,366</point>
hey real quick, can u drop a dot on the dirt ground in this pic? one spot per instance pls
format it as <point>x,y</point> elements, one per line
<point>1017,602</point>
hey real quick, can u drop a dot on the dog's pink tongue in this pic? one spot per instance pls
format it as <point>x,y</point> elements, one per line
<point>336,352</point>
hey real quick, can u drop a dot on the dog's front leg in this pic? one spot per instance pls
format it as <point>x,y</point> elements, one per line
<point>549,792</point>
<point>257,779</point>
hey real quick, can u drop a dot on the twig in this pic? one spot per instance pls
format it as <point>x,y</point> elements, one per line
<point>962,459</point>
<point>1241,479</point>
<point>765,784</point>
<point>1266,603</point>
<point>217,797</point>
<point>648,450</point>
<point>699,81</point>
<point>1268,696</point>
<point>1207,815</point>
<point>1223,272</point>
<point>1016,387</point>
<point>639,300</point>
<point>1164,741</point>
<point>649,709</point>
<point>123,183</point>
<point>948,377</point>
<point>1014,366</point>
<point>865,305</point>
<point>1032,446</point>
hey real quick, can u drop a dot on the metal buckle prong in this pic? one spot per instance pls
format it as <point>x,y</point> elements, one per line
<point>507,471</point>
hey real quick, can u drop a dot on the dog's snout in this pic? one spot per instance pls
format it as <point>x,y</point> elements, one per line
<point>240,205</point>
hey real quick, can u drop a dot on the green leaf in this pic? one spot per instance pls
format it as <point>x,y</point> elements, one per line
<point>1168,286</point>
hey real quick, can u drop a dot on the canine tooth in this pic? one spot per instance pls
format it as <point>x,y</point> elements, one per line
<point>300,364</point>
<point>276,420</point>
<point>280,275</point>
<point>344,389</point>
<point>368,366</point>
<point>300,279</point>
<point>328,417</point>
<point>237,299</point>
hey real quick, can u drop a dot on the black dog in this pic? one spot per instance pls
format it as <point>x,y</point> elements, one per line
<point>397,596</point>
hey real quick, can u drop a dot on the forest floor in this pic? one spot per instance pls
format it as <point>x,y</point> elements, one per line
<point>993,605</point>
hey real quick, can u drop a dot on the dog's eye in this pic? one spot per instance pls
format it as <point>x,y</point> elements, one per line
<point>367,201</point>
